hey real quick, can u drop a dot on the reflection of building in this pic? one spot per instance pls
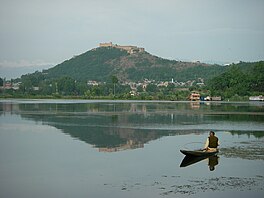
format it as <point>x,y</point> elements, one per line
<point>138,108</point>
<point>9,107</point>
<point>195,105</point>
<point>129,145</point>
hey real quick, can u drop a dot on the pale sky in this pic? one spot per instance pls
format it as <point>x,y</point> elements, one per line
<point>35,34</point>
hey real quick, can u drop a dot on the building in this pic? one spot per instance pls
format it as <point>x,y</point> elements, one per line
<point>256,98</point>
<point>92,83</point>
<point>129,48</point>
<point>216,98</point>
<point>194,96</point>
<point>7,85</point>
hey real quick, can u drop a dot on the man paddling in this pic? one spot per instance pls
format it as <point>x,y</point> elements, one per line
<point>212,142</point>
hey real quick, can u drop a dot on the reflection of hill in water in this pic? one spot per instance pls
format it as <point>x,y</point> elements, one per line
<point>118,126</point>
<point>109,133</point>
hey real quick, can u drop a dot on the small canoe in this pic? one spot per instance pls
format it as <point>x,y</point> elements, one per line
<point>198,153</point>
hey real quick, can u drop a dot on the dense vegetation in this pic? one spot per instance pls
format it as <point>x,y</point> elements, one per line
<point>243,79</point>
<point>167,73</point>
<point>92,65</point>
<point>101,63</point>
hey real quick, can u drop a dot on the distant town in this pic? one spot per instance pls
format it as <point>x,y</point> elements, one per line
<point>136,88</point>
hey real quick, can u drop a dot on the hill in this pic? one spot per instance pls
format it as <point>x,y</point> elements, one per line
<point>125,64</point>
<point>102,62</point>
<point>242,79</point>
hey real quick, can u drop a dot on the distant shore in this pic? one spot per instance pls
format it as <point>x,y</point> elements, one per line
<point>104,98</point>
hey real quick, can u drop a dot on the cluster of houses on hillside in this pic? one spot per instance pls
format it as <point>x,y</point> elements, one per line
<point>142,85</point>
<point>9,85</point>
<point>134,86</point>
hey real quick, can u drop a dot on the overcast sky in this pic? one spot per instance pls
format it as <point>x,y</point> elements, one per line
<point>35,34</point>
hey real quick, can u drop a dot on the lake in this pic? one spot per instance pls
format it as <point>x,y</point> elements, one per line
<point>112,149</point>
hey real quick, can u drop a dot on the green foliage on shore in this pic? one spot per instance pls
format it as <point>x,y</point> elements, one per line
<point>239,80</point>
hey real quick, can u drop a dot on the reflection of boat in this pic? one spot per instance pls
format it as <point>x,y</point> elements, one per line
<point>198,153</point>
<point>189,160</point>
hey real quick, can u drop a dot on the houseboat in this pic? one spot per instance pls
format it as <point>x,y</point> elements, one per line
<point>256,98</point>
<point>194,97</point>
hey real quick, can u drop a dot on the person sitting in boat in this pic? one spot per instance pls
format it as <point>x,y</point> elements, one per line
<point>212,142</point>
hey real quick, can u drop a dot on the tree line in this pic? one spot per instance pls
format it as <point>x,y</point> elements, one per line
<point>238,82</point>
<point>37,86</point>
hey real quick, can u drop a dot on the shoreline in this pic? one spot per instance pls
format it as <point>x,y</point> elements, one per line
<point>117,100</point>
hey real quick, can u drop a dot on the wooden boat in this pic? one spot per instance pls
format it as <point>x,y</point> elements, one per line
<point>198,153</point>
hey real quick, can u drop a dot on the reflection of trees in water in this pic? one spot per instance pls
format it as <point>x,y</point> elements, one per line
<point>131,112</point>
<point>107,131</point>
<point>109,125</point>
<point>237,117</point>
<point>99,132</point>
<point>257,134</point>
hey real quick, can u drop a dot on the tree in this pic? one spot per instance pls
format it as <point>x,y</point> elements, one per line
<point>239,81</point>
<point>257,77</point>
<point>81,88</point>
<point>152,88</point>
<point>114,81</point>
<point>1,82</point>
<point>140,89</point>
<point>66,85</point>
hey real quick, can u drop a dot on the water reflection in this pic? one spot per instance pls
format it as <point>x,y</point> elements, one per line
<point>34,134</point>
<point>195,105</point>
<point>113,126</point>
<point>212,161</point>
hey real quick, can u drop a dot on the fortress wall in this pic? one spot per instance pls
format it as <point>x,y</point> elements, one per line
<point>129,48</point>
<point>106,44</point>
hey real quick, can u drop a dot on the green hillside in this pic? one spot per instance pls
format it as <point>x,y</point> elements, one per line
<point>243,79</point>
<point>91,65</point>
<point>101,63</point>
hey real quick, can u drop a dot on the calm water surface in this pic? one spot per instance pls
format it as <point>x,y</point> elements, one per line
<point>80,148</point>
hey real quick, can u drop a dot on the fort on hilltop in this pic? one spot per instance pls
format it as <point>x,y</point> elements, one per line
<point>129,48</point>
